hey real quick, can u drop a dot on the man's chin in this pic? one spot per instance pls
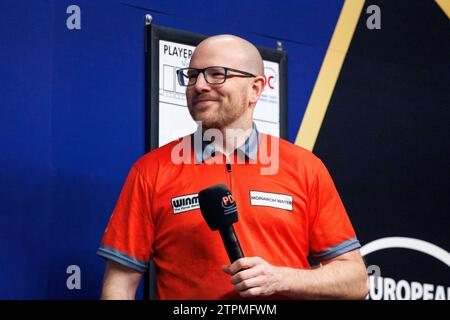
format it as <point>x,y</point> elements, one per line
<point>204,117</point>
<point>207,123</point>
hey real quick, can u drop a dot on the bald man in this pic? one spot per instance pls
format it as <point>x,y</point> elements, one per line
<point>285,217</point>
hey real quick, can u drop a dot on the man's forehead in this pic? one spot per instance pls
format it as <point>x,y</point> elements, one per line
<point>216,55</point>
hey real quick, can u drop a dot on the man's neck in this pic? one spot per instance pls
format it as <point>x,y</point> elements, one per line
<point>234,136</point>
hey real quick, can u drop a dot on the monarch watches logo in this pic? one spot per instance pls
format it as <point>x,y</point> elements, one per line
<point>269,199</point>
<point>228,204</point>
<point>185,203</point>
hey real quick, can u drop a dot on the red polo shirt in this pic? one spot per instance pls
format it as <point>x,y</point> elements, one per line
<point>283,217</point>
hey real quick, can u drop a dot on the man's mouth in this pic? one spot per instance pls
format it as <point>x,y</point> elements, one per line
<point>203,101</point>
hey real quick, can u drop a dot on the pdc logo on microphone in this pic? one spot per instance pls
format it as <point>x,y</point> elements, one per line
<point>228,204</point>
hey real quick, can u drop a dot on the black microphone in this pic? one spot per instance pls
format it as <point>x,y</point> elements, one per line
<point>219,211</point>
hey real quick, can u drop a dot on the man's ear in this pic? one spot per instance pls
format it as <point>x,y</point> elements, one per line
<point>257,89</point>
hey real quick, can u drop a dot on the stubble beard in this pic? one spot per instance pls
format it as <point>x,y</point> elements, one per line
<point>222,118</point>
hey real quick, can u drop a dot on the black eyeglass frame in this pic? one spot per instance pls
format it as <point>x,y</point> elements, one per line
<point>181,74</point>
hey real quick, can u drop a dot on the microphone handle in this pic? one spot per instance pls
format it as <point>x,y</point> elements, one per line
<point>231,243</point>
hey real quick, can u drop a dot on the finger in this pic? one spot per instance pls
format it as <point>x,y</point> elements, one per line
<point>251,293</point>
<point>246,274</point>
<point>245,263</point>
<point>250,283</point>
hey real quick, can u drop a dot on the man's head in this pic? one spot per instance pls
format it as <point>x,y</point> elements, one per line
<point>219,105</point>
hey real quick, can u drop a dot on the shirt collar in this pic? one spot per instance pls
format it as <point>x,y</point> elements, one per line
<point>249,147</point>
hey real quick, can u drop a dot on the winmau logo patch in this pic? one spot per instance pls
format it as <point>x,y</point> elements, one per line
<point>185,203</point>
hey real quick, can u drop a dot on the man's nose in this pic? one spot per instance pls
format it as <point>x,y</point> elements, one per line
<point>201,84</point>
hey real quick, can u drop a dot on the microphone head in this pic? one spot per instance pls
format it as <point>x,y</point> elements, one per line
<point>218,206</point>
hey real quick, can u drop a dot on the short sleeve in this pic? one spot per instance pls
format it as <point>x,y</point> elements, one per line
<point>128,237</point>
<point>331,233</point>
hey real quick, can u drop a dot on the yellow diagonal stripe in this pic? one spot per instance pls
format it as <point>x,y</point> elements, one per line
<point>445,6</point>
<point>328,74</point>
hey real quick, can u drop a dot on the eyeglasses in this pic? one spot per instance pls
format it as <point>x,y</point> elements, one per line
<point>213,75</point>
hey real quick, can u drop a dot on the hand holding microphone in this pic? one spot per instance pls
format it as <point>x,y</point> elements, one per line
<point>219,211</point>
